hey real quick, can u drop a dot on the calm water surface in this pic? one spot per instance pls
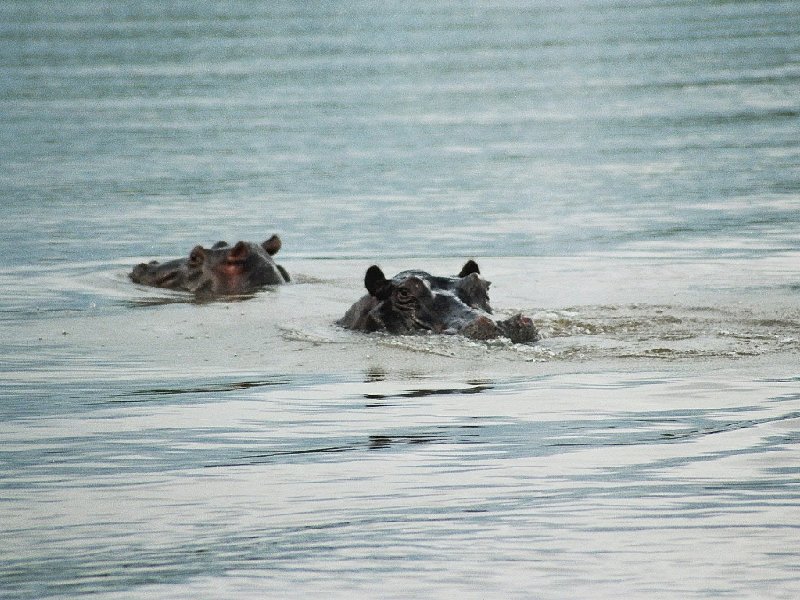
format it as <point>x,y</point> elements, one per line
<point>627,173</point>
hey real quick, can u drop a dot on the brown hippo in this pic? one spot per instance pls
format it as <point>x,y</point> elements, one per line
<point>220,270</point>
<point>415,301</point>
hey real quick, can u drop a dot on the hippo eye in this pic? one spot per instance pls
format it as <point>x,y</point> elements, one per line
<point>403,294</point>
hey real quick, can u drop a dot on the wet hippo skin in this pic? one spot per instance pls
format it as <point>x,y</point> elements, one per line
<point>414,301</point>
<point>220,270</point>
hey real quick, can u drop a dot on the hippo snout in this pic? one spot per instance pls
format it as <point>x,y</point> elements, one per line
<point>519,329</point>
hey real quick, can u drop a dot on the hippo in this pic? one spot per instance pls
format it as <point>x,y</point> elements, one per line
<point>177,274</point>
<point>414,301</point>
<point>220,270</point>
<point>468,285</point>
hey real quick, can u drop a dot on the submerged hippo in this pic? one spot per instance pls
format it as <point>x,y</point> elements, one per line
<point>220,270</point>
<point>416,300</point>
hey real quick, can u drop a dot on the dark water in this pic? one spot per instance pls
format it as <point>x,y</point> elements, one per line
<point>627,173</point>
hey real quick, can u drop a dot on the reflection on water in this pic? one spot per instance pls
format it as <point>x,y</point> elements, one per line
<point>271,480</point>
<point>474,388</point>
<point>380,442</point>
<point>210,389</point>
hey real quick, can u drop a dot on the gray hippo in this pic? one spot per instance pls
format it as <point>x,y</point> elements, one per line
<point>415,301</point>
<point>220,270</point>
<point>468,285</point>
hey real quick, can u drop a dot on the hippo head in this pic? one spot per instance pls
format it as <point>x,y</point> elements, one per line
<point>177,274</point>
<point>399,305</point>
<point>238,269</point>
<point>418,301</point>
<point>468,285</point>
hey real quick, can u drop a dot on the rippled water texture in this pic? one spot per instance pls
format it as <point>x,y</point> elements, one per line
<point>625,173</point>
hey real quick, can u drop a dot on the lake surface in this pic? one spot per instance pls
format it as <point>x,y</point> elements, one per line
<point>626,173</point>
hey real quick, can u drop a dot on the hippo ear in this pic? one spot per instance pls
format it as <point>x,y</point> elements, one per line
<point>197,256</point>
<point>272,245</point>
<point>374,280</point>
<point>474,279</point>
<point>239,252</point>
<point>474,291</point>
<point>219,244</point>
<point>469,267</point>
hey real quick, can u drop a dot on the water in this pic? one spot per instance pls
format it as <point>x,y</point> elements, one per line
<point>626,173</point>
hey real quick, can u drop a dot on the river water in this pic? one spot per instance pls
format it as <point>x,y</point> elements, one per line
<point>626,173</point>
